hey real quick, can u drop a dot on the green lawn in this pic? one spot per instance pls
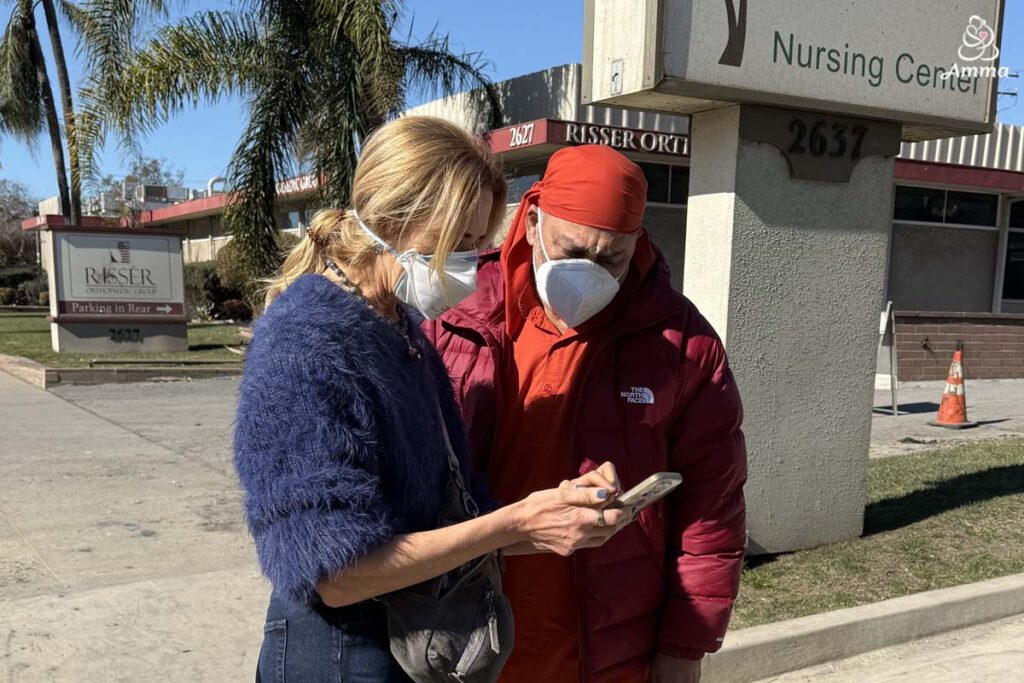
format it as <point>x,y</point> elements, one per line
<point>28,335</point>
<point>934,520</point>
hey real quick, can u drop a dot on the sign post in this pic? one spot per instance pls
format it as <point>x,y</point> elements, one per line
<point>887,340</point>
<point>797,108</point>
<point>116,291</point>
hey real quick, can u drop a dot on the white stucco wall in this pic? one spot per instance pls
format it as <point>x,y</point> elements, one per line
<point>791,273</point>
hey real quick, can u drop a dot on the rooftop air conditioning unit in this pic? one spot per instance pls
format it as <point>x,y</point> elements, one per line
<point>50,207</point>
<point>108,204</point>
<point>177,194</point>
<point>151,194</point>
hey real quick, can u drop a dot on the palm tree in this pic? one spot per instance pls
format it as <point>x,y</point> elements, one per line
<point>317,77</point>
<point>27,104</point>
<point>67,103</point>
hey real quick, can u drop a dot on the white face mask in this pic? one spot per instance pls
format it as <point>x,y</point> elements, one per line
<point>420,287</point>
<point>574,289</point>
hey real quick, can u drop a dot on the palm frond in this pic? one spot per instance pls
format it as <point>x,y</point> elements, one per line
<point>278,107</point>
<point>336,127</point>
<point>431,68</point>
<point>365,25</point>
<point>202,59</point>
<point>79,19</point>
<point>21,109</point>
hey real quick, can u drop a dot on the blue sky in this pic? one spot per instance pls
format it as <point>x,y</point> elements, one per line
<point>516,37</point>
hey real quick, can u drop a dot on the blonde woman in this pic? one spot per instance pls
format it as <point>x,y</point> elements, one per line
<point>345,410</point>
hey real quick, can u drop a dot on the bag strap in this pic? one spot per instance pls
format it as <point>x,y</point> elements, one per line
<point>454,468</point>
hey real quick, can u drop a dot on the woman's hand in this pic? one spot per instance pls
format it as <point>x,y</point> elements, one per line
<point>568,518</point>
<point>604,476</point>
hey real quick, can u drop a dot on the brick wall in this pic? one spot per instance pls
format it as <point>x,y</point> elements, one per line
<point>993,344</point>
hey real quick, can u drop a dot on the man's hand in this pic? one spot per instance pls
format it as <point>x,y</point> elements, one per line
<point>665,669</point>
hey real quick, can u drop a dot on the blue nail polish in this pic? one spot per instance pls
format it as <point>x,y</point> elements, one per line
<point>602,494</point>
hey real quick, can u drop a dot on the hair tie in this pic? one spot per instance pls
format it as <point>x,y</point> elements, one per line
<point>318,239</point>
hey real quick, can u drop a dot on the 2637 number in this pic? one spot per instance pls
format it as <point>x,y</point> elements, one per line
<point>837,141</point>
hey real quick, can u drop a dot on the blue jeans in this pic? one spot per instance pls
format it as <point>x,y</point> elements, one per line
<point>316,645</point>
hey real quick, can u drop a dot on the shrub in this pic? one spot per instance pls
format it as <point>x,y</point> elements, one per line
<point>8,296</point>
<point>15,275</point>
<point>203,290</point>
<point>234,273</point>
<point>44,298</point>
<point>236,309</point>
<point>231,268</point>
<point>29,290</point>
<point>287,241</point>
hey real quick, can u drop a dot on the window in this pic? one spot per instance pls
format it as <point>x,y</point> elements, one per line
<point>680,189</point>
<point>658,179</point>
<point>970,208</point>
<point>289,220</point>
<point>1017,215</point>
<point>521,179</point>
<point>919,204</point>
<point>666,184</point>
<point>931,205</point>
<point>1013,278</point>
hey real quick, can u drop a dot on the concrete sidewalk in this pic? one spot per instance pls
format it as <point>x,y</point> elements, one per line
<point>998,404</point>
<point>122,558</point>
<point>123,555</point>
<point>981,654</point>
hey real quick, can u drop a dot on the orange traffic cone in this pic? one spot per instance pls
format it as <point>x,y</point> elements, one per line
<point>953,411</point>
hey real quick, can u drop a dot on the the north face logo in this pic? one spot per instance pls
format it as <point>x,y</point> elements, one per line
<point>638,395</point>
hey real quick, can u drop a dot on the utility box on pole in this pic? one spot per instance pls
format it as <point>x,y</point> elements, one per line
<point>798,110</point>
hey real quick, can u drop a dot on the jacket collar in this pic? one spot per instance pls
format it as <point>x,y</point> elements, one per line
<point>644,300</point>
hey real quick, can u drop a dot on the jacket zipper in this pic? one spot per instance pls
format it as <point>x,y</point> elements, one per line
<point>580,613</point>
<point>581,609</point>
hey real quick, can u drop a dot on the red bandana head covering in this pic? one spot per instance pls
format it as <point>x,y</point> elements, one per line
<point>591,185</point>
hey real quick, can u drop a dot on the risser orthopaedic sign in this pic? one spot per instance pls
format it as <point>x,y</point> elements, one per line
<point>120,275</point>
<point>930,64</point>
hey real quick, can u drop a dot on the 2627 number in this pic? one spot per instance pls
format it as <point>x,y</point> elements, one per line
<point>837,141</point>
<point>123,334</point>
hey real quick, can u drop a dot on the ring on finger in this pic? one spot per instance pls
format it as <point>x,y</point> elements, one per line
<point>600,519</point>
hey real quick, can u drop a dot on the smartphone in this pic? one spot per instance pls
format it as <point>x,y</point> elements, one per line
<point>649,491</point>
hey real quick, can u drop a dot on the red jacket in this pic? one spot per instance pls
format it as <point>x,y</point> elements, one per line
<point>656,395</point>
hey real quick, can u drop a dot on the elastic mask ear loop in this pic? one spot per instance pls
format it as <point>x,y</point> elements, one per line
<point>540,234</point>
<point>372,235</point>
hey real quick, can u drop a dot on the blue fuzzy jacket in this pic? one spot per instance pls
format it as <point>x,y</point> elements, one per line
<point>337,441</point>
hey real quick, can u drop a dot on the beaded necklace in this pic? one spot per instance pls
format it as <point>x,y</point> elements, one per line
<point>401,326</point>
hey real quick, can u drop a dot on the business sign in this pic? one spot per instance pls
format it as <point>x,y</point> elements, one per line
<point>116,274</point>
<point>571,133</point>
<point>298,184</point>
<point>933,66</point>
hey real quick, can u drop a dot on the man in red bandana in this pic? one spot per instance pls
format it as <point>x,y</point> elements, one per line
<point>576,350</point>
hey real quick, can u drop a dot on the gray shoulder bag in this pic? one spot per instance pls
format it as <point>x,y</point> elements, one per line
<point>458,626</point>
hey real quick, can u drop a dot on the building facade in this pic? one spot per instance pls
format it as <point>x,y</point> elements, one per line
<point>956,264</point>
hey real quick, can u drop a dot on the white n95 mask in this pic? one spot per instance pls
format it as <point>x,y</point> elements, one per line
<point>419,285</point>
<point>574,289</point>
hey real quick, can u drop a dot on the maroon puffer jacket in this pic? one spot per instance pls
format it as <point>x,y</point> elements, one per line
<point>657,395</point>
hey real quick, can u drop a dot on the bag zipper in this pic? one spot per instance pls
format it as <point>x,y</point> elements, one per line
<point>469,657</point>
<point>492,622</point>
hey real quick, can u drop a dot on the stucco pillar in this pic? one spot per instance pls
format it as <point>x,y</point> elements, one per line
<point>791,273</point>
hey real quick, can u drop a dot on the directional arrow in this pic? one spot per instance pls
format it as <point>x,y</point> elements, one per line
<point>165,308</point>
